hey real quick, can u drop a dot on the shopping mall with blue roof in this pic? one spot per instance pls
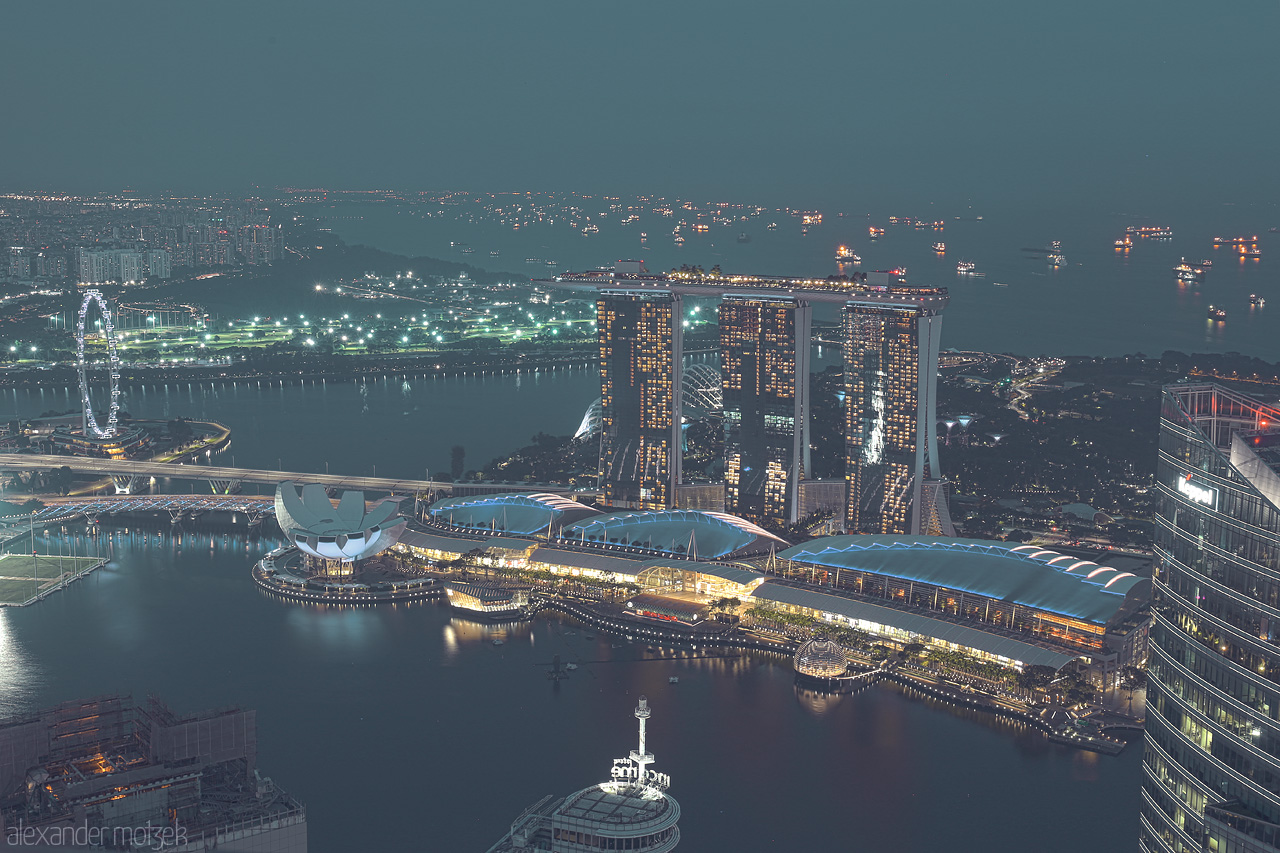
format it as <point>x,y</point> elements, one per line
<point>1005,602</point>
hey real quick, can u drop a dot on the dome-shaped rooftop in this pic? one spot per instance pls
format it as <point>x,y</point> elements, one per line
<point>821,658</point>
<point>346,532</point>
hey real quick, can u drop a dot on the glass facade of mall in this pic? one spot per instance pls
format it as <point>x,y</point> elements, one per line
<point>1212,761</point>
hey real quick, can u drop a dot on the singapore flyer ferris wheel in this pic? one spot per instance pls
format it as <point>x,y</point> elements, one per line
<point>92,429</point>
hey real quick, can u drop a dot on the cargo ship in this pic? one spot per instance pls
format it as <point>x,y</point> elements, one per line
<point>1217,314</point>
<point>1186,272</point>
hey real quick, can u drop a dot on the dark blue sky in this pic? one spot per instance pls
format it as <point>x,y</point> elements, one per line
<point>1117,102</point>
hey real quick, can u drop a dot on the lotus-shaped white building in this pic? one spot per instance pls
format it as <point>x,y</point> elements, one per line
<point>345,533</point>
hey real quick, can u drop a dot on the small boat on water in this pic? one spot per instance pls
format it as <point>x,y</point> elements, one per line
<point>497,642</point>
<point>939,247</point>
<point>673,680</point>
<point>965,267</point>
<point>1255,299</point>
<point>1217,314</point>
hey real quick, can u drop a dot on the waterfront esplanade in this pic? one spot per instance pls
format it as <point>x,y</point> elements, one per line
<point>891,351</point>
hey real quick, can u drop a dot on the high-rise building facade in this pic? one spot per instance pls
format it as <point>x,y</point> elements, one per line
<point>1211,769</point>
<point>640,369</point>
<point>764,363</point>
<point>159,264</point>
<point>891,447</point>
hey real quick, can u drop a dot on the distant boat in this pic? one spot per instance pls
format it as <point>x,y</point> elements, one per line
<point>493,253</point>
<point>1217,314</point>
<point>965,267</point>
<point>468,250</point>
<point>1255,299</point>
<point>552,264</point>
<point>673,680</point>
<point>939,247</point>
<point>744,237</point>
<point>497,642</point>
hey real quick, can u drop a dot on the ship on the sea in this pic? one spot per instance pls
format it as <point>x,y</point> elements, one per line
<point>846,255</point>
<point>1188,272</point>
<point>940,248</point>
<point>744,237</point>
<point>1217,314</point>
<point>1255,299</point>
<point>631,811</point>
<point>966,267</point>
<point>875,232</point>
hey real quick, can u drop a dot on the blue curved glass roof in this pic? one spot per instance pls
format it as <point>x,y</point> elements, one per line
<point>709,535</point>
<point>1021,574</point>
<point>525,513</point>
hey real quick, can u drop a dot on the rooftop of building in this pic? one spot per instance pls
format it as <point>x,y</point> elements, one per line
<point>693,533</point>
<point>1026,575</point>
<point>620,806</point>
<point>969,636</point>
<point>527,513</point>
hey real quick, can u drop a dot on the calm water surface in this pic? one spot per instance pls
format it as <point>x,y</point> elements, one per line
<point>403,425</point>
<point>1101,303</point>
<point>404,729</point>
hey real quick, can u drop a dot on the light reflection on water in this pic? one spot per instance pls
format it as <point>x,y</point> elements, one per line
<point>20,681</point>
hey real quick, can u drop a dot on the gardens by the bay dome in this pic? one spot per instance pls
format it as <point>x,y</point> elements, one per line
<point>344,533</point>
<point>821,658</point>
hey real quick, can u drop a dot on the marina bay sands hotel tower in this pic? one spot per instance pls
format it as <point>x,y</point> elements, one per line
<point>892,334</point>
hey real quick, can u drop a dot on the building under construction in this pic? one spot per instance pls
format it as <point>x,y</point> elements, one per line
<point>111,773</point>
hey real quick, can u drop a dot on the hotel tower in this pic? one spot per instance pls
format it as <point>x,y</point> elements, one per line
<point>894,484</point>
<point>640,368</point>
<point>764,367</point>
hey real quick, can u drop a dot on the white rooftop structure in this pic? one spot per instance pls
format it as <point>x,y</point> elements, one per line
<point>344,533</point>
<point>632,811</point>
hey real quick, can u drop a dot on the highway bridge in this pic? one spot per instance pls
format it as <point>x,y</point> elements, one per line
<point>128,474</point>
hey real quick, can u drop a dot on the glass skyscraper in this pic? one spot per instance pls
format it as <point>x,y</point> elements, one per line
<point>640,369</point>
<point>1211,774</point>
<point>764,362</point>
<point>891,386</point>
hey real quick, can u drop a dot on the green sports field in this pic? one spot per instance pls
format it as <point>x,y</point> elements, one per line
<point>22,576</point>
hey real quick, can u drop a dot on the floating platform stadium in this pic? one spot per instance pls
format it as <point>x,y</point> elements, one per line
<point>1016,605</point>
<point>26,578</point>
